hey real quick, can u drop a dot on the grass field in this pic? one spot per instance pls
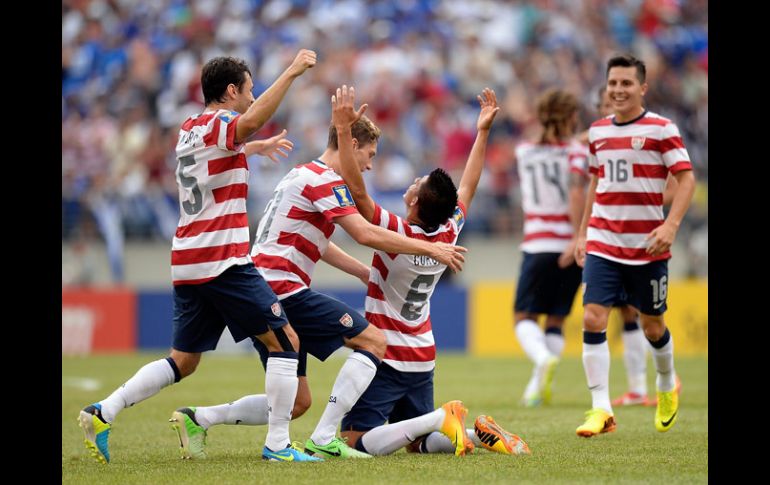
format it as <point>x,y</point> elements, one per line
<point>144,448</point>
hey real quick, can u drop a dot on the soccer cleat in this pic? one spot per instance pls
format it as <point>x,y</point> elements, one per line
<point>597,421</point>
<point>654,401</point>
<point>292,452</point>
<point>631,399</point>
<point>336,448</point>
<point>494,438</point>
<point>453,427</point>
<point>667,409</point>
<point>192,436</point>
<point>97,432</point>
<point>547,382</point>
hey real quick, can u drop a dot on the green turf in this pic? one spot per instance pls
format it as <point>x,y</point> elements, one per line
<point>145,450</point>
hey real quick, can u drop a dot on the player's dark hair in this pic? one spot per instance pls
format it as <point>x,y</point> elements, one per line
<point>363,130</point>
<point>627,60</point>
<point>220,72</point>
<point>436,200</point>
<point>556,111</point>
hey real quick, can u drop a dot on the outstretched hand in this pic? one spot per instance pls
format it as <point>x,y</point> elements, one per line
<point>489,109</point>
<point>344,113</point>
<point>274,146</point>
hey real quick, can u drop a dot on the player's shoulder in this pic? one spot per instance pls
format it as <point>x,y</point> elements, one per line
<point>317,172</point>
<point>601,122</point>
<point>524,147</point>
<point>656,119</point>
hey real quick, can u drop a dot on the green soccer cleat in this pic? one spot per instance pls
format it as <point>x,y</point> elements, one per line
<point>192,436</point>
<point>337,448</point>
<point>546,387</point>
<point>597,421</point>
<point>667,409</point>
<point>97,432</point>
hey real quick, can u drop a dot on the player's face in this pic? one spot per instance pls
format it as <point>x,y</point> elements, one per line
<point>605,105</point>
<point>364,155</point>
<point>411,193</point>
<point>625,91</point>
<point>244,98</point>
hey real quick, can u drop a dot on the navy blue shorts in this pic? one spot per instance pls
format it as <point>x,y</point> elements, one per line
<point>321,322</point>
<point>392,396</point>
<point>646,285</point>
<point>239,298</point>
<point>543,287</point>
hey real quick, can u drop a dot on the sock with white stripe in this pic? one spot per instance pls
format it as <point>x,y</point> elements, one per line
<point>635,357</point>
<point>385,439</point>
<point>554,340</point>
<point>281,389</point>
<point>596,363</point>
<point>663,355</point>
<point>353,379</point>
<point>147,382</point>
<point>249,410</point>
<point>437,442</point>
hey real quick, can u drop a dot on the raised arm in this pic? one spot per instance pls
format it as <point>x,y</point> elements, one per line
<point>335,256</point>
<point>475,164</point>
<point>392,242</point>
<point>263,108</point>
<point>344,116</point>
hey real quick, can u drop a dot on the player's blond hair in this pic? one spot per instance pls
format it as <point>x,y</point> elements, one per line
<point>556,111</point>
<point>364,130</point>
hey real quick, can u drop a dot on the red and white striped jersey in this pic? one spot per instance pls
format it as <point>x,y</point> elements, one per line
<point>632,161</point>
<point>544,171</point>
<point>400,287</point>
<point>212,175</point>
<point>298,221</point>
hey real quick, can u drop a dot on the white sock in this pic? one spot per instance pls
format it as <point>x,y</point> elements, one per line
<point>437,442</point>
<point>596,363</point>
<point>532,340</point>
<point>281,388</point>
<point>385,439</point>
<point>554,342</point>
<point>250,410</point>
<point>147,382</point>
<point>635,347</point>
<point>353,379</point>
<point>664,364</point>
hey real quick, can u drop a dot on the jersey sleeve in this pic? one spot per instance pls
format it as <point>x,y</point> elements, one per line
<point>458,217</point>
<point>220,131</point>
<point>387,220</point>
<point>331,199</point>
<point>578,159</point>
<point>592,161</point>
<point>672,149</point>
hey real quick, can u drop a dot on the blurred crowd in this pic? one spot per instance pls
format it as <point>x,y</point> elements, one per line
<point>131,75</point>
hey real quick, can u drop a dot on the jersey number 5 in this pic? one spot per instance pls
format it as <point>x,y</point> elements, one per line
<point>191,183</point>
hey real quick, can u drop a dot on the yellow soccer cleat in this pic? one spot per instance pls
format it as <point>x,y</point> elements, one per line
<point>453,427</point>
<point>494,438</point>
<point>597,421</point>
<point>667,409</point>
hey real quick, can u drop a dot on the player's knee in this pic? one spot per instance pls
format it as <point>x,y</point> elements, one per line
<point>186,363</point>
<point>594,319</point>
<point>653,327</point>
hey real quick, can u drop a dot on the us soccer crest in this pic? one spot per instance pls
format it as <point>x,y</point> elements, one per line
<point>637,142</point>
<point>346,320</point>
<point>276,308</point>
<point>343,195</point>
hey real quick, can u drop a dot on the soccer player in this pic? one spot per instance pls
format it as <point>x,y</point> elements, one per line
<point>624,241</point>
<point>398,302</point>
<point>215,281</point>
<point>553,174</point>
